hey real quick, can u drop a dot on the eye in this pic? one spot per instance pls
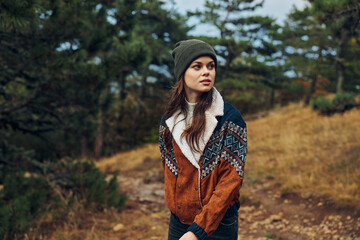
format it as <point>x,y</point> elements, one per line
<point>197,67</point>
<point>211,66</point>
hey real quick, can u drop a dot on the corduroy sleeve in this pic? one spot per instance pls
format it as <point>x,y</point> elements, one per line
<point>230,176</point>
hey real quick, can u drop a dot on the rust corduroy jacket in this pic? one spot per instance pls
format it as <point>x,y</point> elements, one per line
<point>201,188</point>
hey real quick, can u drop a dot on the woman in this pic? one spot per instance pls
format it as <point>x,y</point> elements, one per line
<point>203,146</point>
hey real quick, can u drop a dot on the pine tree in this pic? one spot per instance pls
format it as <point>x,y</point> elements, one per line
<point>249,73</point>
<point>316,42</point>
<point>307,49</point>
<point>342,18</point>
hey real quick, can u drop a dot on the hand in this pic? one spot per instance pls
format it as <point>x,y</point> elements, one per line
<point>189,236</point>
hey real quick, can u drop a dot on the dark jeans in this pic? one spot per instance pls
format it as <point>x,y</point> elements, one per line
<point>227,230</point>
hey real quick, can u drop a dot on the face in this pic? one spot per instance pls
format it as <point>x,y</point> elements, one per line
<point>199,77</point>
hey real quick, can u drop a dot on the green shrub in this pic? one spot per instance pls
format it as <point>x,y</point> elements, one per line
<point>340,103</point>
<point>90,185</point>
<point>269,235</point>
<point>343,101</point>
<point>22,200</point>
<point>153,136</point>
<point>4,221</point>
<point>323,105</point>
<point>114,197</point>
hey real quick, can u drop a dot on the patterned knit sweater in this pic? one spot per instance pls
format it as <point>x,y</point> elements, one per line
<point>201,188</point>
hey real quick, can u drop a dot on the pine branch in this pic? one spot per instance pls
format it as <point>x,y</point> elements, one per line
<point>7,162</point>
<point>348,11</point>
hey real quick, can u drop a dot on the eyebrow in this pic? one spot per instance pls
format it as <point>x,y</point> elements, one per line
<point>201,62</point>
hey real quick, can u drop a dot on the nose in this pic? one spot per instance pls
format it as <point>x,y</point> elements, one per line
<point>205,71</point>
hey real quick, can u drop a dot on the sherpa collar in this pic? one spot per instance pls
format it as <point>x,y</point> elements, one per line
<point>176,124</point>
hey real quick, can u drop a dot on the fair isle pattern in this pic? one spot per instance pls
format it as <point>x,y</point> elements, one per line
<point>230,144</point>
<point>235,129</point>
<point>169,156</point>
<point>211,156</point>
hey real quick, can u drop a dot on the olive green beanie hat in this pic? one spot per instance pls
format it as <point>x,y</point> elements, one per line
<point>187,51</point>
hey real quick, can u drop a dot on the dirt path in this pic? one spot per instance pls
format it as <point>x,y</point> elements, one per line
<point>264,215</point>
<point>294,217</point>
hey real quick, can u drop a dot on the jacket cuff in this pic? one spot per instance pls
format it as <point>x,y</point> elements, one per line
<point>198,231</point>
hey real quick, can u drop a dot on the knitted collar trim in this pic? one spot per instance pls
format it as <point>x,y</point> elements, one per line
<point>176,124</point>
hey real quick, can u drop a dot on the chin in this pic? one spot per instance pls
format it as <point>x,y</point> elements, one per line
<point>206,88</point>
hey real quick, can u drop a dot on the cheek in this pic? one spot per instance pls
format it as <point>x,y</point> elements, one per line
<point>188,82</point>
<point>189,78</point>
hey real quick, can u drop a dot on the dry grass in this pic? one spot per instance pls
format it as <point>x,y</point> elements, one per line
<point>134,222</point>
<point>127,161</point>
<point>306,152</point>
<point>135,225</point>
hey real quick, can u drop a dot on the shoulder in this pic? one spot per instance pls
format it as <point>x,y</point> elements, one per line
<point>231,114</point>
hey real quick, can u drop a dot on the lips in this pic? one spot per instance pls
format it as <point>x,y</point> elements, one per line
<point>206,81</point>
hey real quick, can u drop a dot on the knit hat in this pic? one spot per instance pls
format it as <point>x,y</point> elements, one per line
<point>187,51</point>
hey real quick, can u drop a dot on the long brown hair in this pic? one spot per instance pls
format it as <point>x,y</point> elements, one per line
<point>177,102</point>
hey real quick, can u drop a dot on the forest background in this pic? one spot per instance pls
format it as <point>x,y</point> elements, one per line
<point>81,80</point>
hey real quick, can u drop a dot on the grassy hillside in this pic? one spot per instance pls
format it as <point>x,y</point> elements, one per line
<point>299,149</point>
<point>308,153</point>
<point>129,160</point>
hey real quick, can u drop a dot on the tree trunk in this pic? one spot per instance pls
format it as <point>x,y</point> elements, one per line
<point>311,89</point>
<point>315,77</point>
<point>122,93</point>
<point>340,76</point>
<point>272,98</point>
<point>143,86</point>
<point>122,83</point>
<point>84,148</point>
<point>340,68</point>
<point>99,142</point>
<point>229,59</point>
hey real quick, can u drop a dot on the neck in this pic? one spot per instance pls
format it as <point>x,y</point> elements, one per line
<point>192,97</point>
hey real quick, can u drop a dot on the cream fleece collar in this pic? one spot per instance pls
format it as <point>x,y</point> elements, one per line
<point>176,124</point>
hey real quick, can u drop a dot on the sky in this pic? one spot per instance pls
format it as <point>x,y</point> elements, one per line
<point>277,9</point>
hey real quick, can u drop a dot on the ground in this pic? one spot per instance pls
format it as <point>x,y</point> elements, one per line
<point>265,213</point>
<point>305,156</point>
